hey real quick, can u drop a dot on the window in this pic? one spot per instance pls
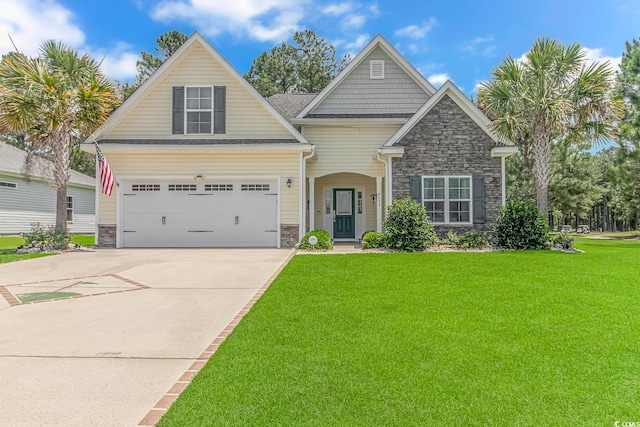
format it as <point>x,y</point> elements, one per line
<point>69,208</point>
<point>199,107</point>
<point>376,69</point>
<point>4,184</point>
<point>254,187</point>
<point>447,199</point>
<point>145,187</point>
<point>182,187</point>
<point>218,187</point>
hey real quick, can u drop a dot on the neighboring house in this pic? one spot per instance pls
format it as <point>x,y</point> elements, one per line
<point>25,200</point>
<point>201,159</point>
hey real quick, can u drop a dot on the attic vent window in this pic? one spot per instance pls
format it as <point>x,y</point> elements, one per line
<point>376,69</point>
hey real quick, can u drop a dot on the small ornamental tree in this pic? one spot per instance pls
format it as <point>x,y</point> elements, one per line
<point>521,225</point>
<point>407,226</point>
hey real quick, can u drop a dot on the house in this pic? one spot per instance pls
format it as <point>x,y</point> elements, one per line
<point>201,159</point>
<point>28,199</point>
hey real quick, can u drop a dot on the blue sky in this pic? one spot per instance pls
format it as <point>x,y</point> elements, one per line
<point>461,41</point>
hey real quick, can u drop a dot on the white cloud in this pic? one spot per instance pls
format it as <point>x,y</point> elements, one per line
<point>263,20</point>
<point>354,21</point>
<point>478,85</point>
<point>31,22</point>
<point>596,55</point>
<point>337,9</point>
<point>417,48</point>
<point>417,32</point>
<point>119,62</point>
<point>438,79</point>
<point>480,46</point>
<point>374,9</point>
<point>358,43</point>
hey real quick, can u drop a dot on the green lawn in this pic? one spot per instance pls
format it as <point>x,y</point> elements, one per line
<point>512,338</point>
<point>8,246</point>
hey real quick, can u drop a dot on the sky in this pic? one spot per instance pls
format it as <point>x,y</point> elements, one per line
<point>458,40</point>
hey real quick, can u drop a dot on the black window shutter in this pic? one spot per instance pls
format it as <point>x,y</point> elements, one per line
<point>178,110</point>
<point>415,188</point>
<point>478,199</point>
<point>219,109</point>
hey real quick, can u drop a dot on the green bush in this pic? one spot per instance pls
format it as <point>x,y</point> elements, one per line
<point>324,241</point>
<point>521,225</point>
<point>47,237</point>
<point>472,240</point>
<point>562,240</point>
<point>407,226</point>
<point>374,239</point>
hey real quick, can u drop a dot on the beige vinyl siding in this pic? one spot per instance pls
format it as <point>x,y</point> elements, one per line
<point>347,149</point>
<point>35,201</point>
<point>285,165</point>
<point>347,180</point>
<point>245,116</point>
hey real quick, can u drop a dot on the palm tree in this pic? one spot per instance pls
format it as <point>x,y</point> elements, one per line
<point>53,100</point>
<point>550,94</point>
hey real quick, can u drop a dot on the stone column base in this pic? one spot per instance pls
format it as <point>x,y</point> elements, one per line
<point>106,235</point>
<point>289,236</point>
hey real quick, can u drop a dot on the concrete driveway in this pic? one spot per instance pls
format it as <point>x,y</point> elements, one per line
<point>139,325</point>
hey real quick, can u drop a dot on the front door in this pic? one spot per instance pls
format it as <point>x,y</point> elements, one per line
<point>344,226</point>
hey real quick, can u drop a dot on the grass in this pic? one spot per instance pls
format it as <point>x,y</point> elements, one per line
<point>511,338</point>
<point>41,296</point>
<point>8,246</point>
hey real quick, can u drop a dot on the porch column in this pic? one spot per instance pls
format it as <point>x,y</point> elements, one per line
<point>312,207</point>
<point>379,203</point>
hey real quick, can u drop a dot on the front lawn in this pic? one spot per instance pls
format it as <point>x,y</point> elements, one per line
<point>511,338</point>
<point>9,245</point>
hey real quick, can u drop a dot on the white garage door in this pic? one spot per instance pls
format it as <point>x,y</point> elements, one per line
<point>229,213</point>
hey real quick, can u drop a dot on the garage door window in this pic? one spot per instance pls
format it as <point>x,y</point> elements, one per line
<point>218,187</point>
<point>145,187</point>
<point>182,187</point>
<point>254,187</point>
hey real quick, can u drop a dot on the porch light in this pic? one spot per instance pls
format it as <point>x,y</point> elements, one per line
<point>198,177</point>
<point>289,182</point>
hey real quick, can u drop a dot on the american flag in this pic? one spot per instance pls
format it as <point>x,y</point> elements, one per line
<point>106,176</point>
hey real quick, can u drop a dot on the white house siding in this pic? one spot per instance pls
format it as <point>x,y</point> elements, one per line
<point>347,149</point>
<point>189,164</point>
<point>245,116</point>
<point>359,94</point>
<point>35,201</point>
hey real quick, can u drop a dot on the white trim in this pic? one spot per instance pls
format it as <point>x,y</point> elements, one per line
<point>302,191</point>
<point>369,122</point>
<point>215,146</point>
<point>504,151</point>
<point>372,64</point>
<point>379,204</point>
<point>312,203</point>
<point>391,51</point>
<point>186,110</point>
<point>166,67</point>
<point>96,195</point>
<point>448,88</point>
<point>446,199</point>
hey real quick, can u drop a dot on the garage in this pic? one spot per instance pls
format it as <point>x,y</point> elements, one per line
<point>204,213</point>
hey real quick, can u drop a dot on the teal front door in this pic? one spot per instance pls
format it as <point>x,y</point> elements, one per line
<point>344,218</point>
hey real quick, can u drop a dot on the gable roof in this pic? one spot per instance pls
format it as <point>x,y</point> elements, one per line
<point>12,161</point>
<point>378,41</point>
<point>290,104</point>
<point>448,88</point>
<point>166,67</point>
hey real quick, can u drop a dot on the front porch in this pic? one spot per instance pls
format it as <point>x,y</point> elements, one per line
<point>344,204</point>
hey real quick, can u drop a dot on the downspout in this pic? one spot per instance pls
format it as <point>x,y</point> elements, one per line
<point>303,191</point>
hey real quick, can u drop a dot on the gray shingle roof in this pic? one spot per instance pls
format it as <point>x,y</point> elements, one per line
<point>290,104</point>
<point>12,160</point>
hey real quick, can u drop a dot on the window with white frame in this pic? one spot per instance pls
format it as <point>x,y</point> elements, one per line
<point>12,185</point>
<point>69,208</point>
<point>447,199</point>
<point>199,108</point>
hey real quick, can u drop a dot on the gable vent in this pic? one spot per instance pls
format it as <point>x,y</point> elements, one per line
<point>376,69</point>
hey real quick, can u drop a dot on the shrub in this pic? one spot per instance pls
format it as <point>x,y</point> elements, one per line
<point>471,240</point>
<point>521,225</point>
<point>374,239</point>
<point>324,241</point>
<point>562,240</point>
<point>47,237</point>
<point>407,226</point>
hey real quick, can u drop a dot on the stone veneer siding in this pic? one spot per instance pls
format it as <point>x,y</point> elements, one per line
<point>448,142</point>
<point>107,235</point>
<point>289,235</point>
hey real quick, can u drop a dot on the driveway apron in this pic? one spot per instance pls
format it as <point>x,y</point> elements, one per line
<point>131,324</point>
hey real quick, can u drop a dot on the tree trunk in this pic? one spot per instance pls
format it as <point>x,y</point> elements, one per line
<point>542,161</point>
<point>61,143</point>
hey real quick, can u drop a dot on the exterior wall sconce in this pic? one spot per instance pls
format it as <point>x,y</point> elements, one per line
<point>373,198</point>
<point>198,178</point>
<point>289,182</point>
